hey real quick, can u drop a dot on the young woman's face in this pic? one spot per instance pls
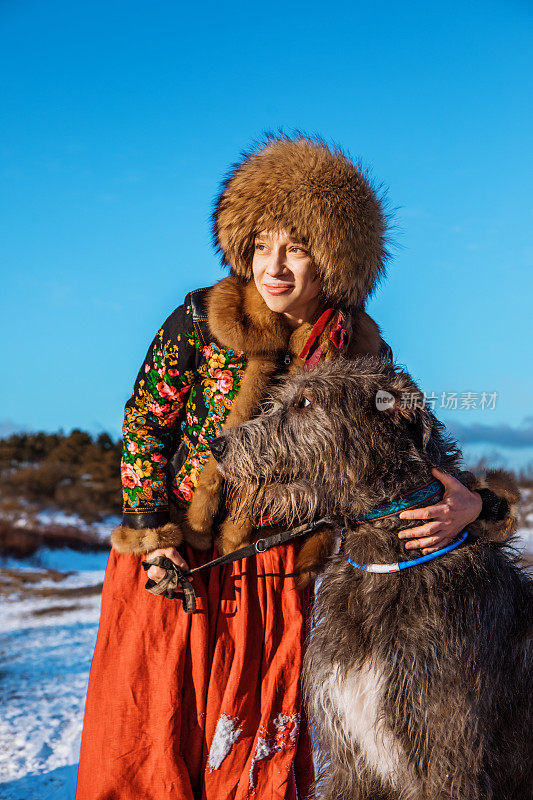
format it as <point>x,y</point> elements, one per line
<point>285,276</point>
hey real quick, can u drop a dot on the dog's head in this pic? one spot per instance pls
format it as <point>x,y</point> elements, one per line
<point>330,441</point>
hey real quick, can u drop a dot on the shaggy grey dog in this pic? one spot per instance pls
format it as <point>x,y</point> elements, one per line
<point>419,683</point>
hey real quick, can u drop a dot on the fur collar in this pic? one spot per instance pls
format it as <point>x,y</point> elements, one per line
<point>240,320</point>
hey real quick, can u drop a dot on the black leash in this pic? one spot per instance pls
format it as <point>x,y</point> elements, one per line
<point>176,578</point>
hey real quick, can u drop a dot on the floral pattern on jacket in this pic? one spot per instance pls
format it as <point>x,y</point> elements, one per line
<point>218,380</point>
<point>182,396</point>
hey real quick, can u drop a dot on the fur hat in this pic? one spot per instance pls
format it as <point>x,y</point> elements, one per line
<point>322,196</point>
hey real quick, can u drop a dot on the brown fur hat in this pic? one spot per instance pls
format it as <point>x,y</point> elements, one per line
<point>321,196</point>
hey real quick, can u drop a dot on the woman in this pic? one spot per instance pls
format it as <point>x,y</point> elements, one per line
<point>207,705</point>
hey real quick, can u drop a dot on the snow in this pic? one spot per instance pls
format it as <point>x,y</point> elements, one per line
<point>226,734</point>
<point>285,721</point>
<point>46,647</point>
<point>51,517</point>
<point>64,559</point>
<point>263,749</point>
<point>102,529</point>
<point>525,539</point>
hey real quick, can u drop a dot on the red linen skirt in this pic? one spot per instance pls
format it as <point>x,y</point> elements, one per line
<point>203,706</point>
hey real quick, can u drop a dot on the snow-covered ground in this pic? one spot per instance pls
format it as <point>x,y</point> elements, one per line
<point>48,631</point>
<point>58,517</point>
<point>49,607</point>
<point>25,515</point>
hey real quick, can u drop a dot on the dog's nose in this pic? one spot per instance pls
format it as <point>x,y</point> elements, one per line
<point>218,447</point>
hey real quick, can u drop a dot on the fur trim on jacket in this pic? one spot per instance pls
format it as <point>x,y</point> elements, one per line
<point>239,320</point>
<point>321,196</point>
<point>140,541</point>
<point>504,485</point>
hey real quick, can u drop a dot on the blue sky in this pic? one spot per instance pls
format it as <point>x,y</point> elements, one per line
<point>119,119</point>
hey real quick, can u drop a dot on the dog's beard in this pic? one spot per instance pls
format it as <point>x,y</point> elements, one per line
<point>280,503</point>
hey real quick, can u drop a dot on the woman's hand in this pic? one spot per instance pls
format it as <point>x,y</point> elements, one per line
<point>458,507</point>
<point>156,573</point>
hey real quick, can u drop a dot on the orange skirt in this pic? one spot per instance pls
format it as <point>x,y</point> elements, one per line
<point>203,706</point>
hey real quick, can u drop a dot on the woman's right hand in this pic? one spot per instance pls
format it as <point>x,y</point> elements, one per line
<point>156,573</point>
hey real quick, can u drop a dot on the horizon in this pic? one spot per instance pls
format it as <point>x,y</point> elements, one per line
<point>473,440</point>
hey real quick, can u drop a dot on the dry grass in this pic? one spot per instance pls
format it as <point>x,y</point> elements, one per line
<point>21,584</point>
<point>23,542</point>
<point>54,610</point>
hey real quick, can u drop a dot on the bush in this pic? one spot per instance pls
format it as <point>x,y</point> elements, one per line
<point>75,472</point>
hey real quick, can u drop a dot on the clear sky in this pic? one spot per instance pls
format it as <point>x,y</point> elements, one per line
<point>119,119</point>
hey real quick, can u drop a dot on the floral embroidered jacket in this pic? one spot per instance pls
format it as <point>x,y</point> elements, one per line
<point>181,398</point>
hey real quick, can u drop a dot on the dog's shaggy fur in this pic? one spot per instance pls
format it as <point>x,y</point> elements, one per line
<point>300,184</point>
<point>420,682</point>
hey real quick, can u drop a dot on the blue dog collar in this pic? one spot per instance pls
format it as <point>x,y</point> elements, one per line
<point>415,497</point>
<point>386,568</point>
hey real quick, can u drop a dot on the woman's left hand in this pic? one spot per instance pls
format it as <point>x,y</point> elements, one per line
<point>447,518</point>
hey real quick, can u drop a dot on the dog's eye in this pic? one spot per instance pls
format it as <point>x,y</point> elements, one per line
<point>302,402</point>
